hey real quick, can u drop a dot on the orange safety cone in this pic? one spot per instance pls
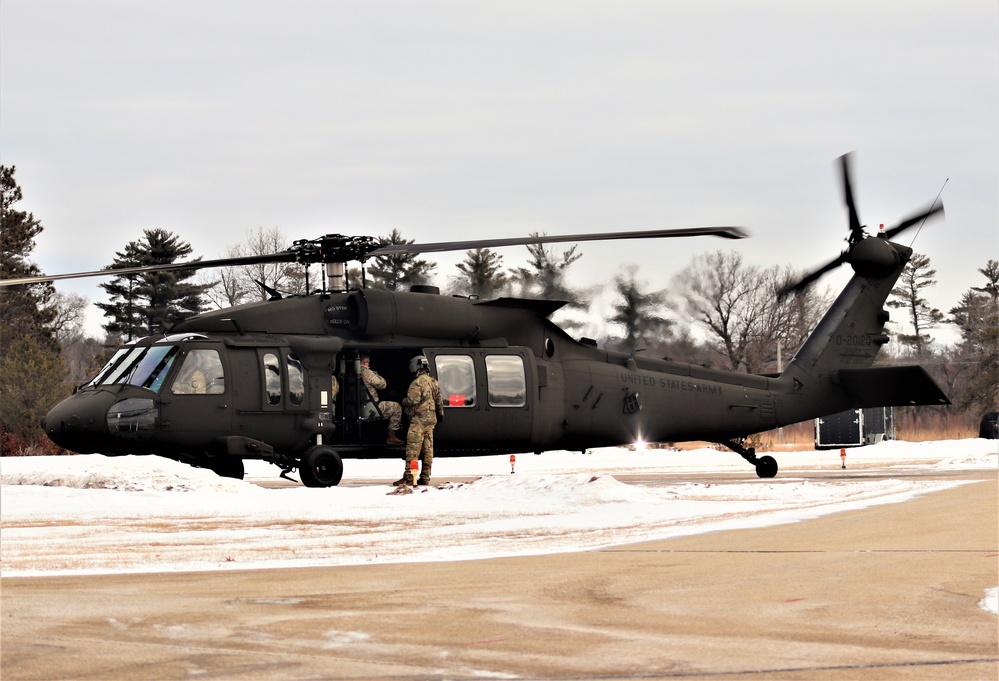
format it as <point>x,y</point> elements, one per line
<point>414,470</point>
<point>513,460</point>
<point>842,456</point>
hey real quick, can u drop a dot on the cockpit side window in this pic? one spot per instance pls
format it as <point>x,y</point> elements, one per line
<point>201,373</point>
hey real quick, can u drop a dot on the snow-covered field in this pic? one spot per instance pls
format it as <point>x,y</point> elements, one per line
<point>93,514</point>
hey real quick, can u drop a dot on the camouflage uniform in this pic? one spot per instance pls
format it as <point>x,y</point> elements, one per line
<point>390,410</point>
<point>423,406</point>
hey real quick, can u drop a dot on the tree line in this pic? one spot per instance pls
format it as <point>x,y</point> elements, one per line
<point>718,311</point>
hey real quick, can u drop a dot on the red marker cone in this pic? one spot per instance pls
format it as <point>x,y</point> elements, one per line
<point>513,460</point>
<point>842,456</point>
<point>413,470</point>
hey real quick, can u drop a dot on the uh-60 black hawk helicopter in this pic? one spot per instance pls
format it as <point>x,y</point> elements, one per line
<point>281,379</point>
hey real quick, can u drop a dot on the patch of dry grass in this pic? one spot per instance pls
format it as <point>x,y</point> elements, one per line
<point>911,425</point>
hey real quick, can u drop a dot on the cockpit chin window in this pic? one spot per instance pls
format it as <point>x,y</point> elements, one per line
<point>132,416</point>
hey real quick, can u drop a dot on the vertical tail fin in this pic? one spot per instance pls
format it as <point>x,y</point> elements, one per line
<point>832,371</point>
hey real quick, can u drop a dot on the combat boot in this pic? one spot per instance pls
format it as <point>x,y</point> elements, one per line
<point>392,439</point>
<point>425,474</point>
<point>404,480</point>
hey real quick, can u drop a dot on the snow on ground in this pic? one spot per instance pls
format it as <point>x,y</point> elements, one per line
<point>93,514</point>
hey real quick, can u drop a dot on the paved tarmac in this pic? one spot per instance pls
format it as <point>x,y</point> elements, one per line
<point>889,592</point>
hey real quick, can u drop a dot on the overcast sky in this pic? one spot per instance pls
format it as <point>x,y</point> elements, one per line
<point>451,120</point>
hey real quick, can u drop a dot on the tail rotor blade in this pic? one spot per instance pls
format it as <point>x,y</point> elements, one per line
<point>856,229</point>
<point>914,220</point>
<point>812,276</point>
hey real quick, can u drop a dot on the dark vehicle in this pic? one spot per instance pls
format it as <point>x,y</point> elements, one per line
<point>280,380</point>
<point>989,426</point>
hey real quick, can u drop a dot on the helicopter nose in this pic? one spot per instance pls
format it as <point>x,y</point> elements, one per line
<point>79,422</point>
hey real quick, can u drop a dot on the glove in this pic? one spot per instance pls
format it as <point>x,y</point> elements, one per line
<point>440,418</point>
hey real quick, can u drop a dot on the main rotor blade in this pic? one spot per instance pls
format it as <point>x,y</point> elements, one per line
<point>915,219</point>
<point>285,256</point>
<point>855,226</point>
<point>724,232</point>
<point>337,248</point>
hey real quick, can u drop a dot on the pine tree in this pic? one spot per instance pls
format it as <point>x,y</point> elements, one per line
<point>399,271</point>
<point>638,313</point>
<point>978,318</point>
<point>546,278</point>
<point>31,371</point>
<point>25,310</point>
<point>481,274</point>
<point>142,303</point>
<point>916,276</point>
<point>31,376</point>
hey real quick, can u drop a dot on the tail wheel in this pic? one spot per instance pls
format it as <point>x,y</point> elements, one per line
<point>321,467</point>
<point>766,467</point>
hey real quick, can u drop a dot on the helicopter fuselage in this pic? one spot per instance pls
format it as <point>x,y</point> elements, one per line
<point>512,382</point>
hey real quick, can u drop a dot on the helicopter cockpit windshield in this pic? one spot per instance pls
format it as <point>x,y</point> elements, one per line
<point>146,367</point>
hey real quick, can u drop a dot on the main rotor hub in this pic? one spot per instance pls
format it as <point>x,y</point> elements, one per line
<point>334,248</point>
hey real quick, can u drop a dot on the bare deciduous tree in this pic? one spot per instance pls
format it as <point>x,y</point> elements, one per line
<point>238,284</point>
<point>738,305</point>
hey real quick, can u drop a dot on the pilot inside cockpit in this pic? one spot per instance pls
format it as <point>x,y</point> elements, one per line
<point>201,374</point>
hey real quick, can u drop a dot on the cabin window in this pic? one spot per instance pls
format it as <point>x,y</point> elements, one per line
<point>456,375</point>
<point>506,380</point>
<point>200,374</point>
<point>272,378</point>
<point>296,380</point>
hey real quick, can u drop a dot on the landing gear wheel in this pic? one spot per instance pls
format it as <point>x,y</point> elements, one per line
<point>321,467</point>
<point>766,467</point>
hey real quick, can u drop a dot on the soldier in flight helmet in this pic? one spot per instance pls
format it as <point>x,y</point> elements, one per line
<point>418,364</point>
<point>425,407</point>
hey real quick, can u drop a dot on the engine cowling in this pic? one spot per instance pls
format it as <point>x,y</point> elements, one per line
<point>382,313</point>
